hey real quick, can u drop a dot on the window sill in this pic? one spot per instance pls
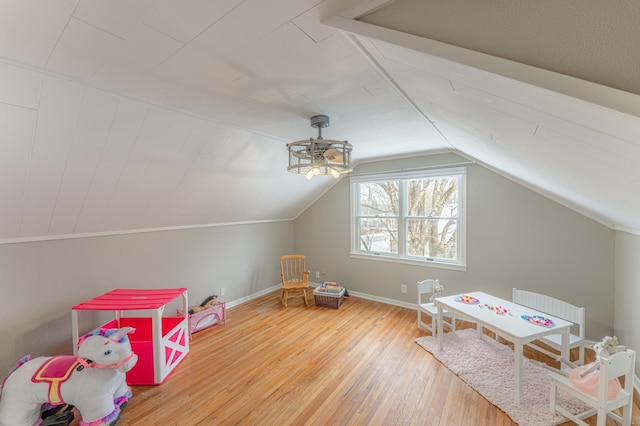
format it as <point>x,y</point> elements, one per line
<point>430,264</point>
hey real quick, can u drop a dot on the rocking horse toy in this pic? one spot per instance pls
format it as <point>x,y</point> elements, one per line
<point>94,382</point>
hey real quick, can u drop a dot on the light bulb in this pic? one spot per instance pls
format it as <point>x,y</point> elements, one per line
<point>309,174</point>
<point>334,173</point>
<point>316,171</point>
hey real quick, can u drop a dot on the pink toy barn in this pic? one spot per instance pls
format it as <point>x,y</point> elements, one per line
<point>160,342</point>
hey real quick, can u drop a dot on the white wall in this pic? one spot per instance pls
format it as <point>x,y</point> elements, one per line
<point>627,291</point>
<point>41,281</point>
<point>515,238</point>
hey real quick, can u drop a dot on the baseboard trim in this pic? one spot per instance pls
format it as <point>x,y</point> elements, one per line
<point>386,300</point>
<point>376,298</point>
<point>367,296</point>
<point>252,296</point>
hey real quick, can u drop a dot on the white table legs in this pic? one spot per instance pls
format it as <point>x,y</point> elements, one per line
<point>440,326</point>
<point>517,370</point>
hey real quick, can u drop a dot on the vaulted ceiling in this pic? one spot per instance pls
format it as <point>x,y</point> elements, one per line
<point>130,115</point>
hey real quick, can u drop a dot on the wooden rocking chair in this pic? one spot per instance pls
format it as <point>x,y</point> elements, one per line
<point>294,275</point>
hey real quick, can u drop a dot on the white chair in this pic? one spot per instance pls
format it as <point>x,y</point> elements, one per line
<point>559,309</point>
<point>426,306</point>
<point>620,364</point>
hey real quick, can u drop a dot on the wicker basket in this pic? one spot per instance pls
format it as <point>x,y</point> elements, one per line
<point>328,300</point>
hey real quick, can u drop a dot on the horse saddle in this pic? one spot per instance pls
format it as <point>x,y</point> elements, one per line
<point>55,371</point>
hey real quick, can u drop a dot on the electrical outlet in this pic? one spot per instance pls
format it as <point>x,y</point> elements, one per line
<point>403,288</point>
<point>221,291</point>
<point>317,274</point>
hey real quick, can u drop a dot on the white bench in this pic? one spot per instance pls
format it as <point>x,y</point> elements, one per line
<point>558,309</point>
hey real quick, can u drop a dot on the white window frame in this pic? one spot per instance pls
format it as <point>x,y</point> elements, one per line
<point>402,257</point>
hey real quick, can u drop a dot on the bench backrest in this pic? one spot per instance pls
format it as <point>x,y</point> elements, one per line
<point>552,306</point>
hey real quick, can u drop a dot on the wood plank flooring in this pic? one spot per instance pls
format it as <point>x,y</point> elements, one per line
<point>270,365</point>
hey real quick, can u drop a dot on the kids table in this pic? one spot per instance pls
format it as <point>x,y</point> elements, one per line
<point>161,342</point>
<point>507,320</point>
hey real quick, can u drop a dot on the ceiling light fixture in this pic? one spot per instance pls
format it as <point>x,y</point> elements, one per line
<point>319,156</point>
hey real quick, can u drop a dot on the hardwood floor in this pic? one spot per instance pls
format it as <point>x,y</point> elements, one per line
<point>270,365</point>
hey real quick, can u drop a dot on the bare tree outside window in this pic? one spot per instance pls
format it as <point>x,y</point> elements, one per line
<point>432,217</point>
<point>379,231</point>
<point>416,217</point>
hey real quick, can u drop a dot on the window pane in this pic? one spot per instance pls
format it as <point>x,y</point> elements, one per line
<point>433,197</point>
<point>434,238</point>
<point>413,215</point>
<point>379,199</point>
<point>378,235</point>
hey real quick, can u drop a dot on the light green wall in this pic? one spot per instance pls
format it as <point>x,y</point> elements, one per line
<point>41,281</point>
<point>515,238</point>
<point>627,291</point>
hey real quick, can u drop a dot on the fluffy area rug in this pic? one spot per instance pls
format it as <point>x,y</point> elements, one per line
<point>487,366</point>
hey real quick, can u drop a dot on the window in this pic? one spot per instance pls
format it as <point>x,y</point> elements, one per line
<point>415,216</point>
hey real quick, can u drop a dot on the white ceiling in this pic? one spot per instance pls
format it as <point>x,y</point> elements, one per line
<point>130,115</point>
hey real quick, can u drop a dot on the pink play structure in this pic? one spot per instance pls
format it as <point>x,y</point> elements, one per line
<point>161,342</point>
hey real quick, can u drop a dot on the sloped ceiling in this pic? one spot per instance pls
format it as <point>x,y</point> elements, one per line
<point>118,116</point>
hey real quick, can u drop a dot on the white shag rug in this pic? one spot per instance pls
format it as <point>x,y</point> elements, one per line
<point>487,366</point>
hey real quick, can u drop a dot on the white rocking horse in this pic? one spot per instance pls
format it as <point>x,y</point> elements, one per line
<point>94,381</point>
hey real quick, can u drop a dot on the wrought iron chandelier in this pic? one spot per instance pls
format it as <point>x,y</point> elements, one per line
<point>319,156</point>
